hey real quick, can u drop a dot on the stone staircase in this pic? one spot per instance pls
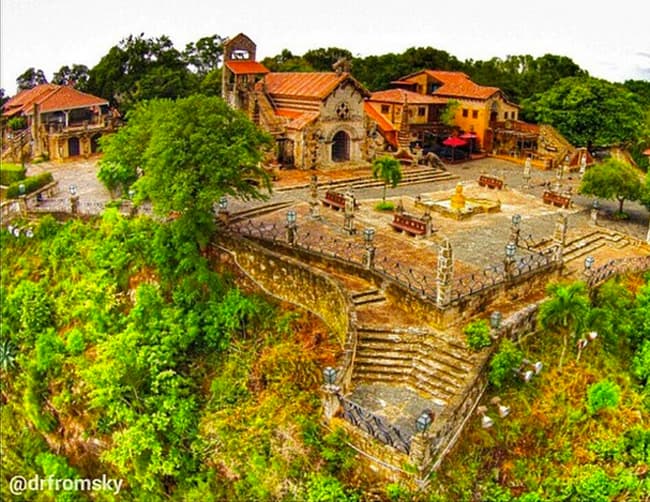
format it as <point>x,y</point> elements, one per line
<point>265,114</point>
<point>261,210</point>
<point>411,176</point>
<point>432,365</point>
<point>588,243</point>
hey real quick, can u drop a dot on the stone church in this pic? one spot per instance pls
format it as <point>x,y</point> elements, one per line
<point>316,118</point>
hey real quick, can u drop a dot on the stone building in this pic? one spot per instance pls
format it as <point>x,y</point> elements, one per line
<point>316,118</point>
<point>61,122</point>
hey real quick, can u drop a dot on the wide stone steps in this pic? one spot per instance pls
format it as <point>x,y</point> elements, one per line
<point>585,245</point>
<point>409,177</point>
<point>427,363</point>
<point>259,211</point>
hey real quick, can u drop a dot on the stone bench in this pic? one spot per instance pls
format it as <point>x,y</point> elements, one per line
<point>490,182</point>
<point>410,224</point>
<point>556,199</point>
<point>336,200</point>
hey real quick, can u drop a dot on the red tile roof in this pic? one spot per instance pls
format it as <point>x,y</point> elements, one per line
<point>383,123</point>
<point>50,97</point>
<point>457,84</point>
<point>246,67</point>
<point>398,95</point>
<point>308,85</point>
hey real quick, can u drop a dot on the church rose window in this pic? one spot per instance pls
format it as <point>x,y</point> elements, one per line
<point>343,111</point>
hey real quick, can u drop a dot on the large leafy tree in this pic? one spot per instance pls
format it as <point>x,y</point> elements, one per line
<point>613,179</point>
<point>204,55</point>
<point>323,59</point>
<point>76,76</point>
<point>589,111</point>
<point>566,311</point>
<point>388,170</point>
<point>140,68</point>
<point>191,152</point>
<point>30,78</point>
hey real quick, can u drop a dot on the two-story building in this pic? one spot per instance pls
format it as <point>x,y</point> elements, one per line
<point>478,106</point>
<point>61,122</point>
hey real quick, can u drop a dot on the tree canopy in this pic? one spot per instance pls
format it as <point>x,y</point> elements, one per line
<point>613,179</point>
<point>30,78</point>
<point>190,151</point>
<point>588,111</point>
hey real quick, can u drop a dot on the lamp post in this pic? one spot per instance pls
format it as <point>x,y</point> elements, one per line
<point>424,421</point>
<point>329,375</point>
<point>527,168</point>
<point>589,263</point>
<point>486,421</point>
<point>223,213</point>
<point>291,226</point>
<point>368,237</point>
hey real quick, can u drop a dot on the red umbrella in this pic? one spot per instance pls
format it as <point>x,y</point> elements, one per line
<point>454,141</point>
<point>468,135</point>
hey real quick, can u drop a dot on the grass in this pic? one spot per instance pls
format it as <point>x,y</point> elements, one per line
<point>384,206</point>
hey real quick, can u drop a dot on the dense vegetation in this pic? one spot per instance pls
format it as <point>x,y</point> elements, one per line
<point>125,353</point>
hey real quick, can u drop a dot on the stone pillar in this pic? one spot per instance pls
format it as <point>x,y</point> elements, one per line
<point>594,216</point>
<point>527,175</point>
<point>420,455</point>
<point>515,230</point>
<point>428,228</point>
<point>314,205</point>
<point>445,273</point>
<point>348,223</point>
<point>74,204</point>
<point>331,404</point>
<point>559,235</point>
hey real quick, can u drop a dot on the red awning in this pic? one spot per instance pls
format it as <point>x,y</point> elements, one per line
<point>454,141</point>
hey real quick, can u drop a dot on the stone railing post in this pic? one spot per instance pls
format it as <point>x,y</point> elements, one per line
<point>559,235</point>
<point>314,205</point>
<point>445,273</point>
<point>348,222</point>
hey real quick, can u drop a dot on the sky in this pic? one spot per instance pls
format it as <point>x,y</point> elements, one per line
<point>610,42</point>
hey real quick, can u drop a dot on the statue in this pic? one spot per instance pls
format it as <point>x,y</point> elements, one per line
<point>458,199</point>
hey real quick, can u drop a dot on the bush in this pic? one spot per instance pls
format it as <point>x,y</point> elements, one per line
<point>17,123</point>
<point>11,173</point>
<point>504,363</point>
<point>478,334</point>
<point>384,206</point>
<point>601,395</point>
<point>31,183</point>
<point>641,363</point>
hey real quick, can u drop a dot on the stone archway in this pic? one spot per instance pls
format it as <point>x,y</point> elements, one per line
<point>341,147</point>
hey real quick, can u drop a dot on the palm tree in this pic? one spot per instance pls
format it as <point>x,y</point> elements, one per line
<point>566,311</point>
<point>389,170</point>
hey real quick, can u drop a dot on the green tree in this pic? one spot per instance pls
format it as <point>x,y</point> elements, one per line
<point>30,78</point>
<point>566,311</point>
<point>323,59</point>
<point>588,111</point>
<point>76,76</point>
<point>613,179</point>
<point>478,334</point>
<point>191,152</point>
<point>448,115</point>
<point>204,55</point>
<point>286,61</point>
<point>389,170</point>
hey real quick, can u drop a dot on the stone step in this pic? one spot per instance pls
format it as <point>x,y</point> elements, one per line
<point>259,211</point>
<point>457,356</point>
<point>431,390</point>
<point>389,359</point>
<point>369,296</point>
<point>442,338</point>
<point>373,375</point>
<point>437,391</point>
<point>430,371</point>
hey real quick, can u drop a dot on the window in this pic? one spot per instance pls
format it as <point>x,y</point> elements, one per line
<point>422,111</point>
<point>465,112</point>
<point>385,109</point>
<point>505,115</point>
<point>474,114</point>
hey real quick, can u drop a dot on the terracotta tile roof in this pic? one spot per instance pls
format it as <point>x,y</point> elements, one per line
<point>51,98</point>
<point>246,67</point>
<point>398,95</point>
<point>383,123</point>
<point>457,84</point>
<point>288,112</point>
<point>307,85</point>
<point>303,120</point>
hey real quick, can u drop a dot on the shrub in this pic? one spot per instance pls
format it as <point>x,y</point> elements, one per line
<point>11,173</point>
<point>17,123</point>
<point>31,183</point>
<point>322,488</point>
<point>601,395</point>
<point>504,363</point>
<point>641,363</point>
<point>478,334</point>
<point>384,206</point>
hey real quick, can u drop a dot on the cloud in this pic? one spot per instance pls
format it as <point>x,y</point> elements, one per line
<point>643,54</point>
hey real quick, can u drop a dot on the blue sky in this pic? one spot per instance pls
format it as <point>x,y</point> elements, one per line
<point>611,42</point>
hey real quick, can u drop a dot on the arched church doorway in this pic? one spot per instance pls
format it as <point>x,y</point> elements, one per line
<point>341,147</point>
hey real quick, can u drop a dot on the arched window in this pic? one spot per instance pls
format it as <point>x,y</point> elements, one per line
<point>341,147</point>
